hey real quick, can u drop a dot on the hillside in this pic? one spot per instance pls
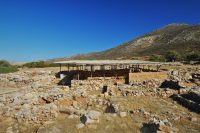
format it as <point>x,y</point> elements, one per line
<point>182,38</point>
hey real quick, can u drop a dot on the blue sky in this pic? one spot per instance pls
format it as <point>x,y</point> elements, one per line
<point>43,29</point>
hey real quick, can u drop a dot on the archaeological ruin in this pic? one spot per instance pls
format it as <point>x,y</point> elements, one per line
<point>114,69</point>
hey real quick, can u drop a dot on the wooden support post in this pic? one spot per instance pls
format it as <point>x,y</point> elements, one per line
<point>84,67</point>
<point>104,76</point>
<point>112,67</point>
<point>78,72</point>
<point>158,67</point>
<point>126,77</point>
<point>148,67</point>
<point>78,75</point>
<point>91,68</point>
<point>102,67</point>
<point>91,71</point>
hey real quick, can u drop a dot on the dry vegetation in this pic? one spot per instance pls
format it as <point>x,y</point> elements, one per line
<point>140,76</point>
<point>140,109</point>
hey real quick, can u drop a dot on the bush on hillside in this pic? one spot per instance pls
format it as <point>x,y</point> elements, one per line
<point>156,58</point>
<point>9,69</point>
<point>39,64</point>
<point>192,57</point>
<point>4,63</point>
<point>6,67</point>
<point>172,56</point>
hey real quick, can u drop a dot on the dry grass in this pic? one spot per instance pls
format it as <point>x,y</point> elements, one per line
<point>179,67</point>
<point>133,123</point>
<point>147,76</point>
<point>129,124</point>
<point>161,107</point>
<point>116,124</point>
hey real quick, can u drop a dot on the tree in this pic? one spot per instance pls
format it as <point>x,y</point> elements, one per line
<point>172,56</point>
<point>156,58</point>
<point>193,57</point>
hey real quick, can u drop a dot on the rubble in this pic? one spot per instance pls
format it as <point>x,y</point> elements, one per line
<point>147,83</point>
<point>184,75</point>
<point>122,114</point>
<point>94,115</point>
<point>80,125</point>
<point>26,78</point>
<point>158,126</point>
<point>41,100</point>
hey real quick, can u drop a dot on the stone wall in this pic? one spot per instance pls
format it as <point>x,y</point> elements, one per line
<point>184,75</point>
<point>25,78</point>
<point>98,82</point>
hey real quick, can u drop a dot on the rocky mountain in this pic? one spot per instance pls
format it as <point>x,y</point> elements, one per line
<point>182,38</point>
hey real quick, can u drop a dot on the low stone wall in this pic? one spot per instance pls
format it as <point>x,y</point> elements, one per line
<point>26,78</point>
<point>154,83</point>
<point>98,82</point>
<point>184,75</point>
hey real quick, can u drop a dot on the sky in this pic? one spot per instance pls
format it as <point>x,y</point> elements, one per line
<point>32,30</point>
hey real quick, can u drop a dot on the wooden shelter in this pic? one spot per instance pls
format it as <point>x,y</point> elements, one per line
<point>82,69</point>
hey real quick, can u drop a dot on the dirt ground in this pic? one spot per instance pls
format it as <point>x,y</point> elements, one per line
<point>164,108</point>
<point>140,76</point>
<point>129,124</point>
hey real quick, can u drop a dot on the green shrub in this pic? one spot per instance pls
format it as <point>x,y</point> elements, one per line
<point>192,57</point>
<point>172,56</point>
<point>156,58</point>
<point>4,63</point>
<point>9,69</point>
<point>6,67</point>
<point>39,64</point>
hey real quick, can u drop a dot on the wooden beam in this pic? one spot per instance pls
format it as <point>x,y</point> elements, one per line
<point>91,67</point>
<point>158,67</point>
<point>78,75</point>
<point>77,69</point>
<point>102,67</point>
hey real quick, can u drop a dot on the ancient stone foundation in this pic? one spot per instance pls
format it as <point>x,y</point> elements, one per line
<point>99,81</point>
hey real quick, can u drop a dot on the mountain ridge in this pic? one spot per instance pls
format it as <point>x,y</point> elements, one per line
<point>182,38</point>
